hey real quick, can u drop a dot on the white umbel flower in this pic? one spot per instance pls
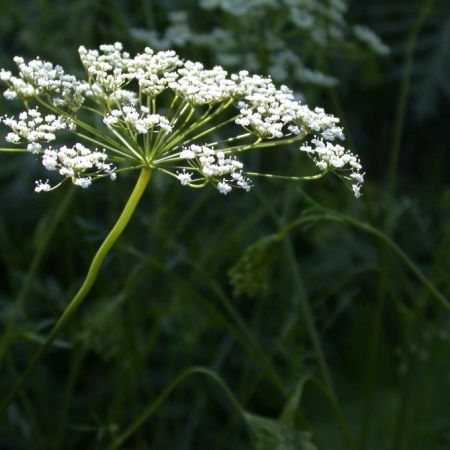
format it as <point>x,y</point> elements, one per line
<point>136,130</point>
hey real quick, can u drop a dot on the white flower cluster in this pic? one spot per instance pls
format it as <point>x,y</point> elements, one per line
<point>140,123</point>
<point>154,71</point>
<point>39,77</point>
<point>34,128</point>
<point>78,163</point>
<point>108,66</point>
<point>139,135</point>
<point>274,113</point>
<point>213,164</point>
<point>335,158</point>
<point>201,87</point>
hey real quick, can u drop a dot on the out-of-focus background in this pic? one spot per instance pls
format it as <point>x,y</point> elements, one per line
<point>336,303</point>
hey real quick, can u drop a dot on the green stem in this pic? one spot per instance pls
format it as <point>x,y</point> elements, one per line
<point>341,218</point>
<point>139,422</point>
<point>313,334</point>
<point>403,93</point>
<point>74,372</point>
<point>199,124</point>
<point>14,150</point>
<point>318,350</point>
<point>402,255</point>
<point>85,288</point>
<point>372,362</point>
<point>78,122</point>
<point>102,144</point>
<point>282,177</point>
<point>335,408</point>
<point>287,141</point>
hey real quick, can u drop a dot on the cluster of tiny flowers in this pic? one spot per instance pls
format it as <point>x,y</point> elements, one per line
<point>213,164</point>
<point>201,87</point>
<point>141,133</point>
<point>154,71</point>
<point>330,157</point>
<point>274,113</point>
<point>39,77</point>
<point>34,128</point>
<point>140,123</point>
<point>108,66</point>
<point>78,163</point>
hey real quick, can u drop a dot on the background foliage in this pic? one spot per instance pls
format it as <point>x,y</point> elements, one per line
<point>322,333</point>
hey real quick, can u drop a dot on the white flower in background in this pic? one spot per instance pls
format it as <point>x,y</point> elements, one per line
<point>368,37</point>
<point>296,31</point>
<point>155,110</point>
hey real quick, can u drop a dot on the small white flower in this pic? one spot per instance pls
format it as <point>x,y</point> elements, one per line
<point>34,147</point>
<point>12,137</point>
<point>184,177</point>
<point>223,188</point>
<point>83,182</point>
<point>5,75</point>
<point>42,186</point>
<point>356,190</point>
<point>110,120</point>
<point>187,154</point>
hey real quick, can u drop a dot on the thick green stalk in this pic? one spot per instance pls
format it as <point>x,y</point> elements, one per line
<point>85,288</point>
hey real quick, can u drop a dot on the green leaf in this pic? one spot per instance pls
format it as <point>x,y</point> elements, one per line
<point>249,274</point>
<point>271,434</point>
<point>290,410</point>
